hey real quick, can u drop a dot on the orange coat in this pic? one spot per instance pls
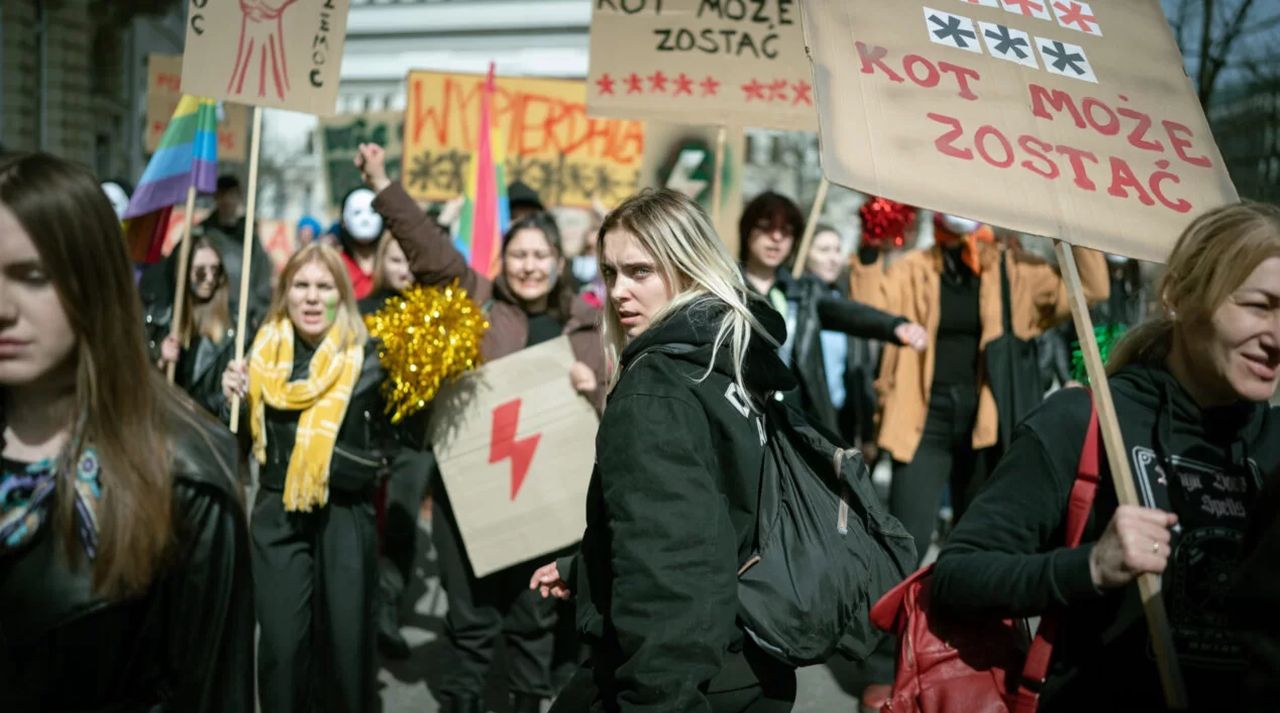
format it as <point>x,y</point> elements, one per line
<point>912,288</point>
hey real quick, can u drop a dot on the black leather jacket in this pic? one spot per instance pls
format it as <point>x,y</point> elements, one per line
<point>186,645</point>
<point>365,439</point>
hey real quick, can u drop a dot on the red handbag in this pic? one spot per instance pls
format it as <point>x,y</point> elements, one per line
<point>974,666</point>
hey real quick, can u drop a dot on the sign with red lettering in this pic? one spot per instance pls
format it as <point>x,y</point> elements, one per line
<point>281,54</point>
<point>164,90</point>
<point>516,445</point>
<point>551,144</point>
<point>735,62</point>
<point>1073,120</point>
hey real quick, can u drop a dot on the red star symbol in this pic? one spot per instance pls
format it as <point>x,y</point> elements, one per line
<point>710,87</point>
<point>684,85</point>
<point>635,84</point>
<point>778,90</point>
<point>605,84</point>
<point>658,81</point>
<point>1030,8</point>
<point>755,90</point>
<point>1072,13</point>
<point>802,91</point>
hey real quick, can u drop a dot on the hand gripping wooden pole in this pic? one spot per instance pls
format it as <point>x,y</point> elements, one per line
<point>246,263</point>
<point>812,225</point>
<point>180,292</point>
<point>1175,693</point>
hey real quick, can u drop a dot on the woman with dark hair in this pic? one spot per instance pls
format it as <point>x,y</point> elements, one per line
<point>204,340</point>
<point>124,577</point>
<point>767,232</point>
<point>1190,388</point>
<point>530,302</point>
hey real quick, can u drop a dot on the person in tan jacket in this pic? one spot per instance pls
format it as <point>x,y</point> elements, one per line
<point>937,411</point>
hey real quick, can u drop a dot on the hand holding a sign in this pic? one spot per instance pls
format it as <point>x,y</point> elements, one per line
<point>582,378</point>
<point>1135,542</point>
<point>169,350</point>
<point>235,380</point>
<point>371,160</point>
<point>548,582</point>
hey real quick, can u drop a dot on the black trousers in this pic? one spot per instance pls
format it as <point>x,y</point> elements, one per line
<point>749,682</point>
<point>411,474</point>
<point>945,456</point>
<point>483,610</point>
<point>315,576</point>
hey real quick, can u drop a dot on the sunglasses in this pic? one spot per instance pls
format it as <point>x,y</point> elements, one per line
<point>203,273</point>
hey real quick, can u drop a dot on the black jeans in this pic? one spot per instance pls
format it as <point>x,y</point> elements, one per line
<point>411,474</point>
<point>945,455</point>
<point>482,610</point>
<point>314,582</point>
<point>749,682</point>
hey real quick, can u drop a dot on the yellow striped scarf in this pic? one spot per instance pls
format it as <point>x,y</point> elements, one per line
<point>322,398</point>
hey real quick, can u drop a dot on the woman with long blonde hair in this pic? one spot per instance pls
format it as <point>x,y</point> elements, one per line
<point>1191,388</point>
<point>314,408</point>
<point>124,566</point>
<point>671,509</point>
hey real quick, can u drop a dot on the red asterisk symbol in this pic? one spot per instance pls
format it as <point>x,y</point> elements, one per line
<point>684,85</point>
<point>1073,13</point>
<point>605,83</point>
<point>710,87</point>
<point>658,81</point>
<point>803,92</point>
<point>1030,8</point>
<point>754,90</point>
<point>635,84</point>
<point>778,90</point>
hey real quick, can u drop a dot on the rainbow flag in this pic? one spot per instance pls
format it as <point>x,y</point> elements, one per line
<point>187,156</point>
<point>485,213</point>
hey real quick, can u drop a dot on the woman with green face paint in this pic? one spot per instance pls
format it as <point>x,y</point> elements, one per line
<point>315,411</point>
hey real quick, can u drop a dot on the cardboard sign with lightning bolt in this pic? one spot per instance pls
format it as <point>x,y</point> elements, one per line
<point>516,445</point>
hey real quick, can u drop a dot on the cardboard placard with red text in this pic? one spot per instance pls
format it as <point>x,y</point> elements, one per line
<point>516,445</point>
<point>281,54</point>
<point>726,62</point>
<point>164,91</point>
<point>551,144</point>
<point>1073,120</point>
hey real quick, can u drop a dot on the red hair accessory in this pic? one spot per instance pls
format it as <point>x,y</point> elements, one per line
<point>885,222</point>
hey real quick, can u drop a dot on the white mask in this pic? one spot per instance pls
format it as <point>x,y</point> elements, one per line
<point>119,199</point>
<point>958,225</point>
<point>585,268</point>
<point>361,221</point>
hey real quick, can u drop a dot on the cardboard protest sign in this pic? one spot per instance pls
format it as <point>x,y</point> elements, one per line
<point>682,158</point>
<point>551,144</point>
<point>339,137</point>
<point>279,241</point>
<point>516,445</point>
<point>734,62</point>
<point>1072,120</point>
<point>164,82</point>
<point>281,54</point>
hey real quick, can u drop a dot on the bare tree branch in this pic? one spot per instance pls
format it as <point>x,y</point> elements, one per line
<point>1213,55</point>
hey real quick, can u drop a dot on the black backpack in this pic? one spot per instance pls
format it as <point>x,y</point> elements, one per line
<point>825,550</point>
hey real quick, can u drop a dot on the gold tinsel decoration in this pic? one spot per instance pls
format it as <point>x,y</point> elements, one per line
<point>428,336</point>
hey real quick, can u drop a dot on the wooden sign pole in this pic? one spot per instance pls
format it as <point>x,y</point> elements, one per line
<point>180,293</point>
<point>717,180</point>
<point>1175,693</point>
<point>242,317</point>
<point>810,227</point>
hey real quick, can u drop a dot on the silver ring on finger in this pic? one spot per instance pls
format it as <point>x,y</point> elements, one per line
<point>1155,547</point>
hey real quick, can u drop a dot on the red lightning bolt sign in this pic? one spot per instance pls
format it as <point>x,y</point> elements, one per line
<point>503,443</point>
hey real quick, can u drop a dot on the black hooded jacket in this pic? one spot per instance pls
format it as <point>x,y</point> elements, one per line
<point>1205,465</point>
<point>671,512</point>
